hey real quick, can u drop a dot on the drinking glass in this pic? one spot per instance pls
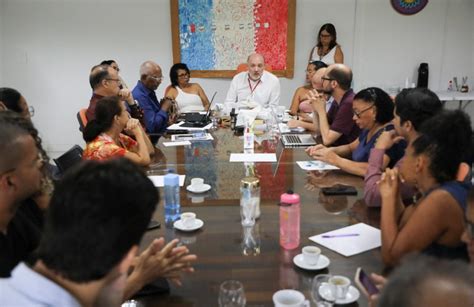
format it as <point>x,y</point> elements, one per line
<point>231,294</point>
<point>323,292</point>
<point>280,113</point>
<point>248,207</point>
<point>272,124</point>
<point>251,240</point>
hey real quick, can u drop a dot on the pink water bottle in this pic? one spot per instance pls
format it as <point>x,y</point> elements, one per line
<point>289,220</point>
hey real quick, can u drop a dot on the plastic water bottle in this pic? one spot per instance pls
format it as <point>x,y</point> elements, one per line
<point>289,220</point>
<point>249,137</point>
<point>172,206</point>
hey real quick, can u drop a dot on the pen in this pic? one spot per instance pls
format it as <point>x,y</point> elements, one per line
<point>341,235</point>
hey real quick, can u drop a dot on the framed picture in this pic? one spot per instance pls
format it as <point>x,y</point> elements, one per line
<point>214,36</point>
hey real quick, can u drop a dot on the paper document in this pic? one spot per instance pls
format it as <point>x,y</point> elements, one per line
<point>177,126</point>
<point>255,157</point>
<point>283,128</point>
<point>196,136</point>
<point>315,165</point>
<point>159,181</point>
<point>351,240</point>
<point>177,143</point>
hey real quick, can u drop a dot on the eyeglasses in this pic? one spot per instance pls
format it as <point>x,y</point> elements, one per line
<point>116,80</point>
<point>31,110</point>
<point>470,229</point>
<point>183,75</point>
<point>327,78</point>
<point>358,114</point>
<point>158,79</point>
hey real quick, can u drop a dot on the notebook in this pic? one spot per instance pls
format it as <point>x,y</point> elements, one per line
<point>297,140</point>
<point>197,117</point>
<point>350,240</point>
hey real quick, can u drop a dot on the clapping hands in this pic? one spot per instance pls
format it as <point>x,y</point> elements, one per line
<point>159,260</point>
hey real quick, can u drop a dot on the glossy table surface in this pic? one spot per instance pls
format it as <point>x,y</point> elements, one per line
<point>223,248</point>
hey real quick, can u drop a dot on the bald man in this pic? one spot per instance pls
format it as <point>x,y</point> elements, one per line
<point>336,125</point>
<point>105,81</point>
<point>156,113</point>
<point>256,85</point>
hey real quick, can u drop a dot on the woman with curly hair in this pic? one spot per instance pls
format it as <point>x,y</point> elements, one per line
<point>434,223</point>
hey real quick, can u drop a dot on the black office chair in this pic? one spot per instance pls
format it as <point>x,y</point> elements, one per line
<point>69,158</point>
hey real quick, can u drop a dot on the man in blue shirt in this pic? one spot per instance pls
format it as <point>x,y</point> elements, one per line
<point>156,114</point>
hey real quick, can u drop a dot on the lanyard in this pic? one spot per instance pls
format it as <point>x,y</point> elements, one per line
<point>252,89</point>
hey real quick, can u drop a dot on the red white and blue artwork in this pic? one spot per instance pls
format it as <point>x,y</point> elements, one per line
<point>220,34</point>
<point>408,7</point>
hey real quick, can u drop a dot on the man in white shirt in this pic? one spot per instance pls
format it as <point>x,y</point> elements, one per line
<point>86,252</point>
<point>253,87</point>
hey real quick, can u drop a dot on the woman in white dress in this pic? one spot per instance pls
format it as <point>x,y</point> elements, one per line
<point>190,97</point>
<point>327,50</point>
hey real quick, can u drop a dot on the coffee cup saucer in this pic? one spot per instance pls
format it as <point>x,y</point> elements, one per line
<point>323,262</point>
<point>180,226</point>
<point>199,188</point>
<point>352,295</point>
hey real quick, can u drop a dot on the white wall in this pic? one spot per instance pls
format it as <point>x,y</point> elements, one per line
<point>48,46</point>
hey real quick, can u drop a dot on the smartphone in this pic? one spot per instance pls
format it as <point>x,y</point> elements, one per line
<point>365,284</point>
<point>339,190</point>
<point>153,225</point>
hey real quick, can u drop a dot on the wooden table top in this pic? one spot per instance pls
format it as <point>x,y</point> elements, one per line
<point>219,243</point>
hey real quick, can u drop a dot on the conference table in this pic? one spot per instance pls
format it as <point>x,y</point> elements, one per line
<point>227,251</point>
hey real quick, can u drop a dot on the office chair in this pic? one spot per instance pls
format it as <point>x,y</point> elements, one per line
<point>82,119</point>
<point>69,158</point>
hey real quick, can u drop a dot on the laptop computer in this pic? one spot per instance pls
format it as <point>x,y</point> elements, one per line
<point>197,117</point>
<point>297,140</point>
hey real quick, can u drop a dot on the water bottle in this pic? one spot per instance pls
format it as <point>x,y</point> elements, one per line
<point>172,206</point>
<point>289,220</point>
<point>249,139</point>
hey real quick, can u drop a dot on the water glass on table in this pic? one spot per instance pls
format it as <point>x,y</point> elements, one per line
<point>322,291</point>
<point>231,294</point>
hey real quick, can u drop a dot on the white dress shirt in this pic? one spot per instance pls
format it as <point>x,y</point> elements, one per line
<point>265,92</point>
<point>26,287</point>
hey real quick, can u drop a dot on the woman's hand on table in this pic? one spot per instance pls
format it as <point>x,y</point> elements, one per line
<point>325,154</point>
<point>312,149</point>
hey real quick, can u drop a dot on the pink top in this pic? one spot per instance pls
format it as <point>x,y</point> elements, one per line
<point>374,173</point>
<point>305,106</point>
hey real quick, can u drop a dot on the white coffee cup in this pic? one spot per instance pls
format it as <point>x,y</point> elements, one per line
<point>341,284</point>
<point>188,219</point>
<point>196,182</point>
<point>289,298</point>
<point>311,255</point>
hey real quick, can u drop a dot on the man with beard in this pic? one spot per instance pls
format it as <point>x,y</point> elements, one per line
<point>336,126</point>
<point>21,173</point>
<point>254,87</point>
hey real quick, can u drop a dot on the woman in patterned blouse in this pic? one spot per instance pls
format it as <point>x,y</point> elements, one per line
<point>105,139</point>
